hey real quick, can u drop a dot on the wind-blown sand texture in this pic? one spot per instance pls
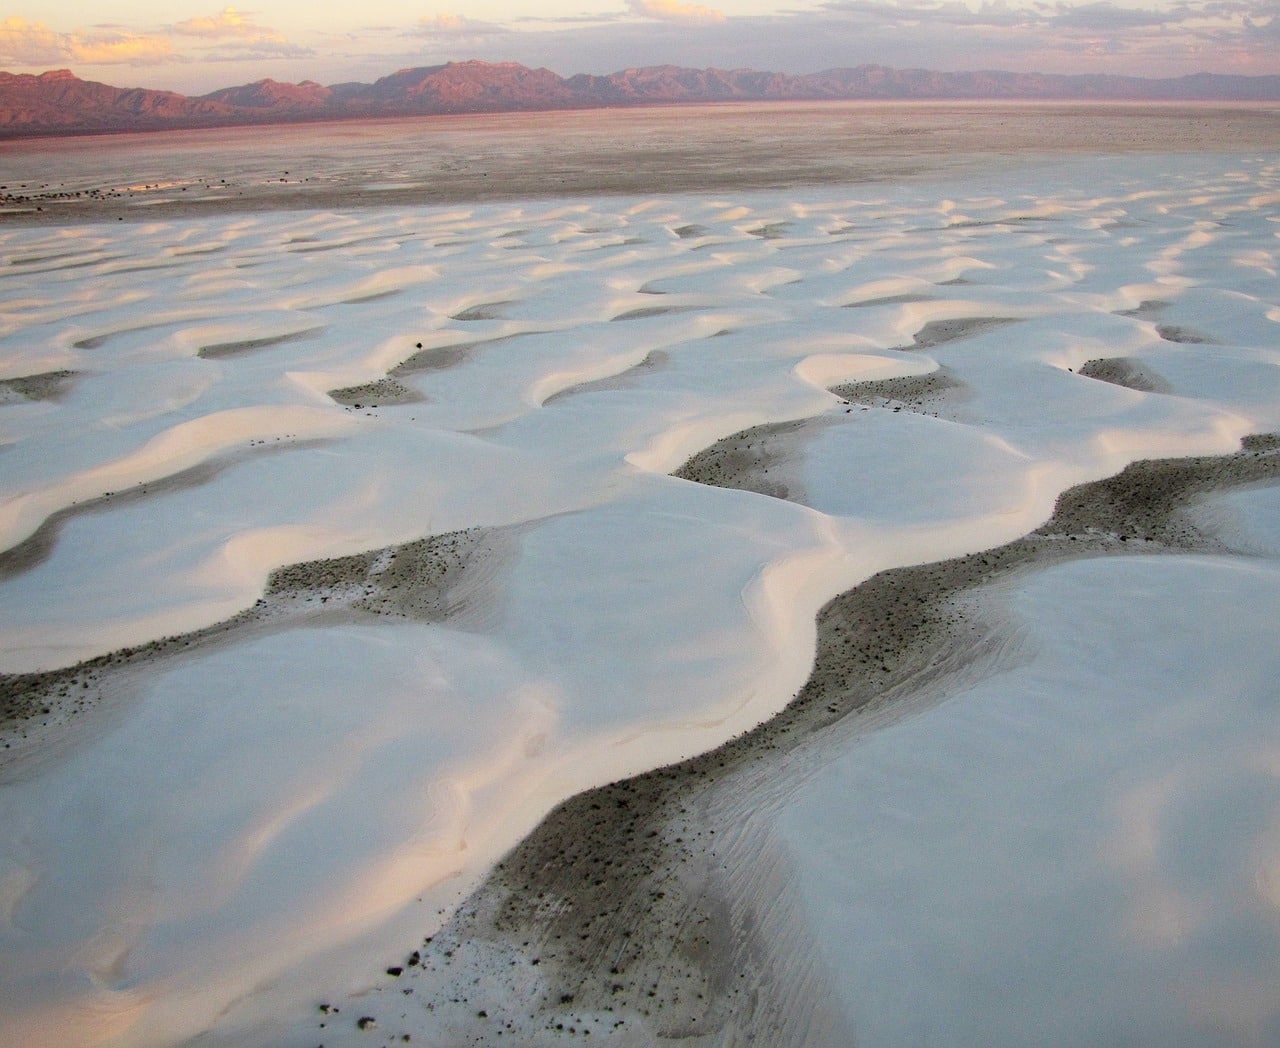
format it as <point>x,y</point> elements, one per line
<point>348,552</point>
<point>657,908</point>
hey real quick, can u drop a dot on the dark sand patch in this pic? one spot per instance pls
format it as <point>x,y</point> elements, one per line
<point>887,300</point>
<point>32,260</point>
<point>48,385</point>
<point>938,332</point>
<point>639,908</point>
<point>655,361</point>
<point>770,230</point>
<point>1009,222</point>
<point>644,312</point>
<point>1125,371</point>
<point>484,311</point>
<point>1184,335</point>
<point>85,263</point>
<point>95,341</point>
<point>310,244</point>
<point>437,358</point>
<point>691,231</point>
<point>191,252</point>
<point>1147,309</point>
<point>223,350</point>
<point>755,459</point>
<point>373,394</point>
<point>759,459</point>
<point>376,296</point>
<point>917,393</point>
<point>36,548</point>
<point>426,580</point>
<point>1151,310</point>
<point>174,263</point>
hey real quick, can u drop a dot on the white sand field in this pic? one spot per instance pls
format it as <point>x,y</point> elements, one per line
<point>232,793</point>
<point>1081,847</point>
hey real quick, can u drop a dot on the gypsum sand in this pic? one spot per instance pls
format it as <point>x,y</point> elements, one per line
<point>654,908</point>
<point>425,580</point>
<point>649,908</point>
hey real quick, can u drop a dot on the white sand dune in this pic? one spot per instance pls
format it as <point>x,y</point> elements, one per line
<point>236,829</point>
<point>1092,822</point>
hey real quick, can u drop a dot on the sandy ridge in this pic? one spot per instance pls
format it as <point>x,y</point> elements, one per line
<point>425,580</point>
<point>745,901</point>
<point>1125,371</point>
<point>654,907</point>
<point>628,910</point>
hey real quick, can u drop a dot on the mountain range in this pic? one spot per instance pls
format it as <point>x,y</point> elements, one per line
<point>58,102</point>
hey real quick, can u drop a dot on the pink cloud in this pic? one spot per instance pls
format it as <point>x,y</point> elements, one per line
<point>676,11</point>
<point>227,23</point>
<point>24,43</point>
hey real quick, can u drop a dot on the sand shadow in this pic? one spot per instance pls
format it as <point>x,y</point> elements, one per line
<point>226,350</point>
<point>48,385</point>
<point>1125,371</point>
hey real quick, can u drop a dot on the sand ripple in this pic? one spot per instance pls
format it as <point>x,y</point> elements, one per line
<point>262,472</point>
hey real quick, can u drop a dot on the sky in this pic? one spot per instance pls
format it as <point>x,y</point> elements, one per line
<point>190,47</point>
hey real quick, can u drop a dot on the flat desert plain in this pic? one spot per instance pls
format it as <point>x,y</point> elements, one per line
<point>781,575</point>
<point>518,156</point>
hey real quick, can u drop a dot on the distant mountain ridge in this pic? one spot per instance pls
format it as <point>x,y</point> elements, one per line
<point>58,102</point>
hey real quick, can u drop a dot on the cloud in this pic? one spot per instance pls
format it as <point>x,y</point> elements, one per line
<point>1108,17</point>
<point>676,11</point>
<point>228,36</point>
<point>31,43</point>
<point>572,21</point>
<point>1052,36</point>
<point>886,12</point>
<point>226,24</point>
<point>1141,37</point>
<point>122,49</point>
<point>233,36</point>
<point>1065,15</point>
<point>1268,30</point>
<point>454,25</point>
<point>27,44</point>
